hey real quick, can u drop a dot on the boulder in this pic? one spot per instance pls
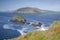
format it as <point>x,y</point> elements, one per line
<point>28,23</point>
<point>36,24</point>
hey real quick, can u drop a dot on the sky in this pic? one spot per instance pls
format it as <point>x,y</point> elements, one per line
<point>9,5</point>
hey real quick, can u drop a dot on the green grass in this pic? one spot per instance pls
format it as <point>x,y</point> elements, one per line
<point>17,17</point>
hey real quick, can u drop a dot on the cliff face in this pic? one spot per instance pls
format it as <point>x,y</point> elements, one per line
<point>31,10</point>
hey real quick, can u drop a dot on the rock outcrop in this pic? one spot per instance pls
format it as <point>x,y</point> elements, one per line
<point>36,24</point>
<point>18,19</point>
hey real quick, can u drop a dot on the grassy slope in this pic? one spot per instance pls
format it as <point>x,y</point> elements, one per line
<point>53,33</point>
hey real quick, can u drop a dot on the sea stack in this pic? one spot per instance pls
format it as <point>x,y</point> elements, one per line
<point>18,19</point>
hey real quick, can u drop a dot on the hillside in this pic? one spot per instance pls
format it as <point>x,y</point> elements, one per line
<point>53,33</point>
<point>32,10</point>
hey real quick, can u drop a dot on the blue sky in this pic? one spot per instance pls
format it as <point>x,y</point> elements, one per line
<point>8,5</point>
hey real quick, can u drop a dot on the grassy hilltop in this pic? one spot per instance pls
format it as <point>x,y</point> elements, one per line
<point>53,33</point>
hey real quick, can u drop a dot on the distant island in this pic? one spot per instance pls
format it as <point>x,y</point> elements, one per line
<point>32,10</point>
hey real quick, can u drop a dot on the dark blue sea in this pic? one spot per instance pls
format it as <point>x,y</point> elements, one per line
<point>10,30</point>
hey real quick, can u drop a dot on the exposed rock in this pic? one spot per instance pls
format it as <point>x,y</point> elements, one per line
<point>36,24</point>
<point>18,19</point>
<point>27,22</point>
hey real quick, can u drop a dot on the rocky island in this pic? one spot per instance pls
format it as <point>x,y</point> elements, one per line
<point>18,19</point>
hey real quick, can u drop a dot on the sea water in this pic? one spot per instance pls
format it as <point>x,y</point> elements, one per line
<point>12,30</point>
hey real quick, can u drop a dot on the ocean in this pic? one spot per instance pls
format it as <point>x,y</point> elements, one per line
<point>11,30</point>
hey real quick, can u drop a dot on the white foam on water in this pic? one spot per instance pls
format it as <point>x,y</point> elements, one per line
<point>43,28</point>
<point>24,29</point>
<point>31,23</point>
<point>21,32</point>
<point>6,26</point>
